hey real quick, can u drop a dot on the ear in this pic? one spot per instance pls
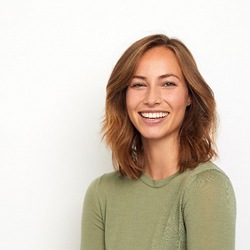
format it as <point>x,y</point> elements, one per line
<point>189,101</point>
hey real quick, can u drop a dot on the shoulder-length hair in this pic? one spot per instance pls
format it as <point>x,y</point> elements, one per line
<point>197,133</point>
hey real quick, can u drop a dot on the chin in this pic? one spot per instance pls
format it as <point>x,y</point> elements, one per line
<point>152,137</point>
<point>160,136</point>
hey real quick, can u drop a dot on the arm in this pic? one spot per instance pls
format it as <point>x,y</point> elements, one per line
<point>209,212</point>
<point>92,237</point>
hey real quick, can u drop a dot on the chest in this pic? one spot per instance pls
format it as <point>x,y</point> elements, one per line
<point>144,218</point>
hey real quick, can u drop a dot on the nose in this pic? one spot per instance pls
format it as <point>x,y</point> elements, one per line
<point>153,96</point>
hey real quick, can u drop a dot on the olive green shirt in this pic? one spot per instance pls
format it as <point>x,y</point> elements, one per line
<point>194,210</point>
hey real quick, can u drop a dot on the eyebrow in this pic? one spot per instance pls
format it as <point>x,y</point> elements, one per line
<point>161,77</point>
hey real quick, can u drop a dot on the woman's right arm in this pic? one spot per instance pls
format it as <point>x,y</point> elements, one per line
<point>92,237</point>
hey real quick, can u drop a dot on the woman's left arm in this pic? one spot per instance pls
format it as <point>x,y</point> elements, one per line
<point>210,212</point>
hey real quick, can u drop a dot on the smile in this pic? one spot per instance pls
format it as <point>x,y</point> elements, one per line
<point>153,115</point>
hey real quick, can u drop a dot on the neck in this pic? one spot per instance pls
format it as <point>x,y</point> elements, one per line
<point>161,158</point>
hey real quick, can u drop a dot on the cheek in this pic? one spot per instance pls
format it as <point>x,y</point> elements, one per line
<point>132,100</point>
<point>178,100</point>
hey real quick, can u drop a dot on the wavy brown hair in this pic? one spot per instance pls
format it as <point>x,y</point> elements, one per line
<point>197,133</point>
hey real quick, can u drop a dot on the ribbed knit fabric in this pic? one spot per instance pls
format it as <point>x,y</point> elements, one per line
<point>194,210</point>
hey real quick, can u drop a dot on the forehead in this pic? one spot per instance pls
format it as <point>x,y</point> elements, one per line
<point>158,59</point>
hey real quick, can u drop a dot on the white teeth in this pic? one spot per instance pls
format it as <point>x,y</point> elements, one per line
<point>154,115</point>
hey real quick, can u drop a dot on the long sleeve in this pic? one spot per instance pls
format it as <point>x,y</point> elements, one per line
<point>92,237</point>
<point>210,212</point>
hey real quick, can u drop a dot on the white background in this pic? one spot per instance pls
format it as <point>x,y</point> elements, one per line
<point>55,59</point>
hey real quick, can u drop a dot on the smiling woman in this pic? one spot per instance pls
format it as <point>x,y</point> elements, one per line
<point>157,98</point>
<point>160,123</point>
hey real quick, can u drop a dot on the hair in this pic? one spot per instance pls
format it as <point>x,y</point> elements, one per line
<point>197,132</point>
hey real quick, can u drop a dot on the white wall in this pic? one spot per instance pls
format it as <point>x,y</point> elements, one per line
<point>55,59</point>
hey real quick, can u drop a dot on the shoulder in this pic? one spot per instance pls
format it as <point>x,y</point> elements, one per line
<point>206,167</point>
<point>108,182</point>
<point>104,188</point>
<point>207,171</point>
<point>96,191</point>
<point>208,179</point>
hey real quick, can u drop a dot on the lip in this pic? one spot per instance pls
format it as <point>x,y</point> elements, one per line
<point>153,116</point>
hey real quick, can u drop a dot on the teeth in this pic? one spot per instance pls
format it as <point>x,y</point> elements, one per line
<point>154,115</point>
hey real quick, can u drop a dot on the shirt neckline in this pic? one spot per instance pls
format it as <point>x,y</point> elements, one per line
<point>157,183</point>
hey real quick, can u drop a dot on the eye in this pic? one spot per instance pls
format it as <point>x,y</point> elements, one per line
<point>169,84</point>
<point>137,85</point>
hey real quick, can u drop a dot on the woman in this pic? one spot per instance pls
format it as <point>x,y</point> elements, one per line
<point>160,125</point>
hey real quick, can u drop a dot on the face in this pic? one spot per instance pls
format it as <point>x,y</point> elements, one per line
<point>157,96</point>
